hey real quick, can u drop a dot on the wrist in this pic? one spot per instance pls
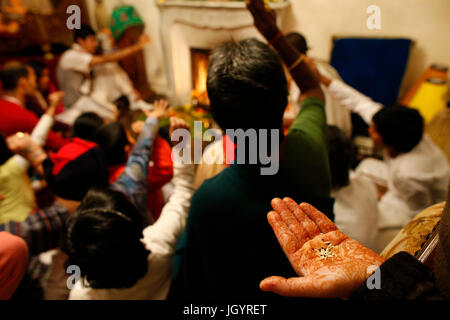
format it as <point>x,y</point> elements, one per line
<point>273,34</point>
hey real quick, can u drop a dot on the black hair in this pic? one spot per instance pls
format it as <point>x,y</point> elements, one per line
<point>104,240</point>
<point>38,67</point>
<point>82,33</point>
<point>341,154</point>
<point>11,73</point>
<point>86,125</point>
<point>298,41</point>
<point>400,127</point>
<point>113,139</point>
<point>247,86</point>
<point>5,153</point>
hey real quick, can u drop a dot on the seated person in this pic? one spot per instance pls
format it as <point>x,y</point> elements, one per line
<point>416,170</point>
<point>336,115</point>
<point>247,88</point>
<point>119,259</point>
<point>19,199</point>
<point>355,207</point>
<point>75,74</point>
<point>13,263</point>
<point>18,81</point>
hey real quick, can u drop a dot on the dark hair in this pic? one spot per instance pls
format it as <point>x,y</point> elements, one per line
<point>11,73</point>
<point>400,127</point>
<point>247,86</point>
<point>86,125</point>
<point>112,138</point>
<point>298,41</point>
<point>104,240</point>
<point>82,33</point>
<point>38,67</point>
<point>5,153</point>
<point>341,154</point>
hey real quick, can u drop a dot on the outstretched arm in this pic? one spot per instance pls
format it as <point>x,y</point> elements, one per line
<point>121,54</point>
<point>133,181</point>
<point>328,262</point>
<point>265,22</point>
<point>347,96</point>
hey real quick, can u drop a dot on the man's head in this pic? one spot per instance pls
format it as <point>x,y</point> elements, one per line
<point>86,38</point>
<point>247,86</point>
<point>341,154</point>
<point>42,75</point>
<point>298,41</point>
<point>397,127</point>
<point>17,77</point>
<point>104,240</point>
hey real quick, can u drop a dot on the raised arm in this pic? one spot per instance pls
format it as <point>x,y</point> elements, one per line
<point>172,222</point>
<point>121,54</point>
<point>265,22</point>
<point>133,180</point>
<point>348,97</point>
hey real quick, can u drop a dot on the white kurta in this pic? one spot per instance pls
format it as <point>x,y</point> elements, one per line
<point>416,179</point>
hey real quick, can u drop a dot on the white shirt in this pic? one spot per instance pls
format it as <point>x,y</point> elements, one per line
<point>355,210</point>
<point>416,179</point>
<point>161,239</point>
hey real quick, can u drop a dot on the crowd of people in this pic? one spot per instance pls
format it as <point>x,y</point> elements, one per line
<point>85,187</point>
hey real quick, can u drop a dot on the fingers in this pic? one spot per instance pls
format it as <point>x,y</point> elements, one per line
<point>292,287</point>
<point>325,225</point>
<point>290,221</point>
<point>311,228</point>
<point>289,242</point>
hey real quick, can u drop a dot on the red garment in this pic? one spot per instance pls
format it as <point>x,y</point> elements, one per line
<point>52,89</point>
<point>15,118</point>
<point>230,155</point>
<point>160,172</point>
<point>13,263</point>
<point>70,152</point>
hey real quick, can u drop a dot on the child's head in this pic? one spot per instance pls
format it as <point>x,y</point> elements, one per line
<point>86,125</point>
<point>113,140</point>
<point>341,153</point>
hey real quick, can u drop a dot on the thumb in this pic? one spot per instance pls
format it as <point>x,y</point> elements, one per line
<point>292,287</point>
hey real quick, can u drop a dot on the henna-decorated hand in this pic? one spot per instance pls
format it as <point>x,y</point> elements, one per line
<point>328,262</point>
<point>264,18</point>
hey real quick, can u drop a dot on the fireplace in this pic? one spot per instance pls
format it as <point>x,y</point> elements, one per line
<point>199,65</point>
<point>189,30</point>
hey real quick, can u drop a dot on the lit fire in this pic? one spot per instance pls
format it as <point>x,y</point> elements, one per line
<point>200,62</point>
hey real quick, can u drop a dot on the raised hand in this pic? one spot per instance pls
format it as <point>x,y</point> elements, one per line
<point>54,99</point>
<point>160,109</point>
<point>264,18</point>
<point>328,262</point>
<point>22,144</point>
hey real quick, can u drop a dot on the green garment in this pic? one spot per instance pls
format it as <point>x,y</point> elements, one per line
<point>229,246</point>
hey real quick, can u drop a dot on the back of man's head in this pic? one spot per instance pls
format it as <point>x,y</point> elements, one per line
<point>298,41</point>
<point>11,73</point>
<point>86,126</point>
<point>247,86</point>
<point>82,33</point>
<point>400,127</point>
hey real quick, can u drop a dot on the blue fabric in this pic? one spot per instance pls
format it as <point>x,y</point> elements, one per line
<point>374,67</point>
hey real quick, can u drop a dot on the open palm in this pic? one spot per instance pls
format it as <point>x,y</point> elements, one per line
<point>328,262</point>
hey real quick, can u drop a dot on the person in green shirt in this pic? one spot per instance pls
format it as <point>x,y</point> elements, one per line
<point>228,245</point>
